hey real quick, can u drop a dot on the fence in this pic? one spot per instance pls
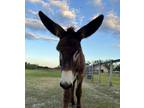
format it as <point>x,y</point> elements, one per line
<point>102,74</point>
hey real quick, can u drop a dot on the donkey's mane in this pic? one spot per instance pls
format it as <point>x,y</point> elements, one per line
<point>70,29</point>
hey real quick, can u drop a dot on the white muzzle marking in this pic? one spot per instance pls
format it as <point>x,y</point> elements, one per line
<point>67,77</point>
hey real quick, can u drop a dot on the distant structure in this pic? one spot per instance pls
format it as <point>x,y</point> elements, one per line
<point>99,68</point>
<point>102,68</point>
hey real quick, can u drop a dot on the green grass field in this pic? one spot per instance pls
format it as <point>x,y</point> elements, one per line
<point>42,73</point>
<point>104,79</point>
<point>43,91</point>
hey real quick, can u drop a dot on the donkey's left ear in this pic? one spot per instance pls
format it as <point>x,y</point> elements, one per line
<point>53,27</point>
<point>91,27</point>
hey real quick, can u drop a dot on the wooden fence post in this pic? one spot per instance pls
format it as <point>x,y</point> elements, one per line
<point>99,74</point>
<point>110,74</point>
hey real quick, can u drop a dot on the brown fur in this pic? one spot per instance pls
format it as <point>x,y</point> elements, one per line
<point>78,68</point>
<point>68,45</point>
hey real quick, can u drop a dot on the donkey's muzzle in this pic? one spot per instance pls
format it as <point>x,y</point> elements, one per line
<point>65,85</point>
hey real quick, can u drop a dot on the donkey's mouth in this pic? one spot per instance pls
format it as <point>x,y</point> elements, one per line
<point>65,85</point>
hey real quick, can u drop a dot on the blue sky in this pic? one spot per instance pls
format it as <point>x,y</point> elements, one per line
<point>40,44</point>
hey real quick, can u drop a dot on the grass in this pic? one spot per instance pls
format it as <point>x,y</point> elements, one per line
<point>43,91</point>
<point>104,79</point>
<point>42,73</point>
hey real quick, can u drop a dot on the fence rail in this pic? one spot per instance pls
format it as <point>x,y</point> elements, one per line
<point>100,73</point>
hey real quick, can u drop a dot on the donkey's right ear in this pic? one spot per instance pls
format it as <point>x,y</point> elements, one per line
<point>51,25</point>
<point>91,27</point>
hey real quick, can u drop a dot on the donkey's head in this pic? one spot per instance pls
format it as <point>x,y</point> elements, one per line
<point>69,45</point>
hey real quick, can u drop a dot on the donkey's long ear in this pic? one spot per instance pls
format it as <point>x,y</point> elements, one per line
<point>91,27</point>
<point>51,25</point>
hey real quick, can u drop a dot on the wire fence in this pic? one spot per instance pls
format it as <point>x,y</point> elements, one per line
<point>100,74</point>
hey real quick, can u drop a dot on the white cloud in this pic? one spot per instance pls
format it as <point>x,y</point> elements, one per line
<point>60,4</point>
<point>32,36</point>
<point>34,24</point>
<point>34,1</point>
<point>41,2</point>
<point>57,8</point>
<point>46,6</point>
<point>32,11</point>
<point>63,6</point>
<point>65,11</point>
<point>98,2</point>
<point>112,22</point>
<point>69,14</point>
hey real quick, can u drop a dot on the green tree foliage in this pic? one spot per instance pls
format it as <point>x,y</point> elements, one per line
<point>30,66</point>
<point>117,67</point>
<point>34,66</point>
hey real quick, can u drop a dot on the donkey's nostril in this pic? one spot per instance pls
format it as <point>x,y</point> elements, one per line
<point>65,85</point>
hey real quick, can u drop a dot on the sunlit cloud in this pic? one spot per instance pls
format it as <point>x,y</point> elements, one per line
<point>98,3</point>
<point>59,9</point>
<point>34,24</point>
<point>33,1</point>
<point>64,8</point>
<point>32,36</point>
<point>32,12</point>
<point>111,22</point>
<point>42,3</point>
<point>68,14</point>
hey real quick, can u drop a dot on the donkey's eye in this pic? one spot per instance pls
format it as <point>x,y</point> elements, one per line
<point>60,56</point>
<point>76,55</point>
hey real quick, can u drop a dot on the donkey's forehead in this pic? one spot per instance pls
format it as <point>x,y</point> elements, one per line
<point>70,34</point>
<point>70,43</point>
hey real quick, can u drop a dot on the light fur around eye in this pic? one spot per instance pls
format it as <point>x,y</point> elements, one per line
<point>76,55</point>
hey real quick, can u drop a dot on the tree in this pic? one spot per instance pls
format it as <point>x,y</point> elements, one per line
<point>87,63</point>
<point>117,67</point>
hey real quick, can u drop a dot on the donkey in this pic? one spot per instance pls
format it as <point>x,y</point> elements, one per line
<point>72,61</point>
